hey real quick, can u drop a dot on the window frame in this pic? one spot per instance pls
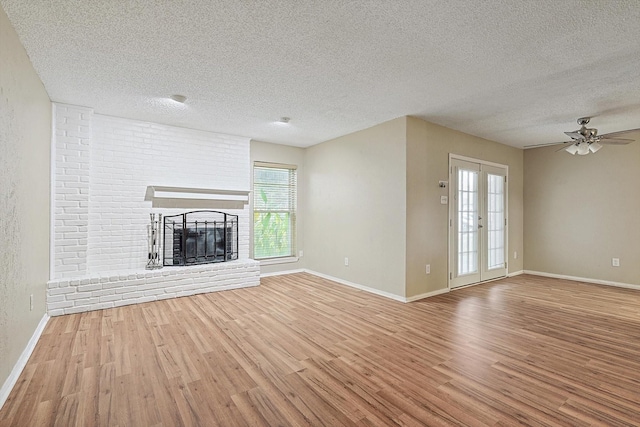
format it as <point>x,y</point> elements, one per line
<point>292,211</point>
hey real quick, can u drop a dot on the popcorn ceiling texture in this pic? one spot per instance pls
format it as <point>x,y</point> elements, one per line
<point>514,72</point>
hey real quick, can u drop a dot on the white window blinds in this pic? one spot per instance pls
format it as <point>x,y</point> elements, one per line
<point>274,210</point>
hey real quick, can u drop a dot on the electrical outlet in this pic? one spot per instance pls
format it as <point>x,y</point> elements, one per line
<point>615,262</point>
<point>346,261</point>
<point>515,254</point>
<point>444,200</point>
<point>428,269</point>
<point>31,302</point>
<point>300,254</point>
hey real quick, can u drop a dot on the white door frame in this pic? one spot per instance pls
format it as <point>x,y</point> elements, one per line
<point>450,221</point>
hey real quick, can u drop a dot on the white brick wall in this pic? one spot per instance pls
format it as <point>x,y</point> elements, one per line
<point>115,289</point>
<point>102,168</point>
<point>71,189</point>
<point>127,156</point>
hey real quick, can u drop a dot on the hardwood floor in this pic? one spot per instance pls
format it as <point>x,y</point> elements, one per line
<point>300,350</point>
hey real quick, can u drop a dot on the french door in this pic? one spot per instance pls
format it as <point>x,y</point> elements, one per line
<point>478,222</point>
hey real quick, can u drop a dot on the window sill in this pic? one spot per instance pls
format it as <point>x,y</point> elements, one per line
<point>283,260</point>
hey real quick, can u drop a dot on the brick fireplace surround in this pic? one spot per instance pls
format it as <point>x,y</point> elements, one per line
<point>101,168</point>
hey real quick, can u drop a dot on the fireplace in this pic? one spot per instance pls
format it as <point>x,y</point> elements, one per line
<point>200,237</point>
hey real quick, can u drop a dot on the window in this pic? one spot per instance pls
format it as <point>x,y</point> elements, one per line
<point>274,210</point>
<point>468,227</point>
<point>496,223</point>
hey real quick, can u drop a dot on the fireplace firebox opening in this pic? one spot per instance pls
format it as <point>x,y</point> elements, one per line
<point>200,237</point>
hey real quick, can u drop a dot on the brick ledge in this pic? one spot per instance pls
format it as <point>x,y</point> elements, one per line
<point>115,289</point>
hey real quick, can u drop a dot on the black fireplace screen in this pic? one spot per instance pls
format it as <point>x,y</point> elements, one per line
<point>200,237</point>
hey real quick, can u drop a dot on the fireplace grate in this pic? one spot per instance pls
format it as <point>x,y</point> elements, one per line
<point>200,237</point>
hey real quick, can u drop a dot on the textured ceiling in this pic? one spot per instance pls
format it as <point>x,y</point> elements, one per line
<point>517,72</point>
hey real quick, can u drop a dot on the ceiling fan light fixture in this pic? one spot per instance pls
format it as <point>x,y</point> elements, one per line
<point>572,149</point>
<point>594,146</point>
<point>583,148</point>
<point>588,140</point>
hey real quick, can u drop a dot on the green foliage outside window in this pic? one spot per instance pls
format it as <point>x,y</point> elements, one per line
<point>274,212</point>
<point>272,235</point>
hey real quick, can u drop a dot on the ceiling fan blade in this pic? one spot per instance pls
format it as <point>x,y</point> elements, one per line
<point>566,145</point>
<point>615,134</point>
<point>615,141</point>
<point>548,144</point>
<point>574,135</point>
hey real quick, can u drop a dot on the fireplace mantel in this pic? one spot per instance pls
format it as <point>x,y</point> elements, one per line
<point>195,198</point>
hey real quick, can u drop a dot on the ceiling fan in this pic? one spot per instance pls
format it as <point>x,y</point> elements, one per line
<point>586,140</point>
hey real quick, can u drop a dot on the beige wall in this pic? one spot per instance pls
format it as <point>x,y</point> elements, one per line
<point>275,153</point>
<point>356,207</point>
<point>581,211</point>
<point>428,148</point>
<point>25,138</point>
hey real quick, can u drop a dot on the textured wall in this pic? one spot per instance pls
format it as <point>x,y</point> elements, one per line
<point>356,207</point>
<point>25,134</point>
<point>581,211</point>
<point>428,148</point>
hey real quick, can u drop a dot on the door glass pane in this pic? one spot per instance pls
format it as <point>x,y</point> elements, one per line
<point>467,222</point>
<point>495,221</point>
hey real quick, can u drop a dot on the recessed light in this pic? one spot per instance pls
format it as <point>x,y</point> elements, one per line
<point>179,98</point>
<point>284,120</point>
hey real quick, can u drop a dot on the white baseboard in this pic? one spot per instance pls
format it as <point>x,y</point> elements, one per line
<point>515,273</point>
<point>282,273</point>
<point>358,286</point>
<point>22,361</point>
<point>427,295</point>
<point>378,291</point>
<point>584,279</point>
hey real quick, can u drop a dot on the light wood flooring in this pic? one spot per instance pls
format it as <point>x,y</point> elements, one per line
<point>300,350</point>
